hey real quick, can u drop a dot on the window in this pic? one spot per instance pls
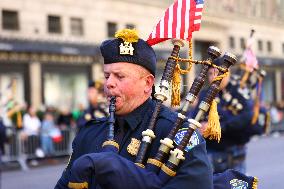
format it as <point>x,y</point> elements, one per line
<point>232,42</point>
<point>10,20</point>
<point>243,44</point>
<point>111,29</point>
<point>259,45</point>
<point>130,26</point>
<point>77,26</point>
<point>269,46</point>
<point>54,24</point>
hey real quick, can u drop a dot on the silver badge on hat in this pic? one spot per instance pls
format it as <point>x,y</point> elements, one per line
<point>126,48</point>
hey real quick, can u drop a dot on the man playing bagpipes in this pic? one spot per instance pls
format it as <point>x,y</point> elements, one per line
<point>104,160</point>
<point>130,77</point>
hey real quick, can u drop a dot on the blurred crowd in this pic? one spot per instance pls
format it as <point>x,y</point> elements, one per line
<point>40,130</point>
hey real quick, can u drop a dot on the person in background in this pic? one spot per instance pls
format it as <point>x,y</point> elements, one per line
<point>97,106</point>
<point>2,137</point>
<point>65,120</point>
<point>30,133</point>
<point>47,127</point>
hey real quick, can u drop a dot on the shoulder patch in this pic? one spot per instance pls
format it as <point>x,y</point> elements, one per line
<point>194,140</point>
<point>236,184</point>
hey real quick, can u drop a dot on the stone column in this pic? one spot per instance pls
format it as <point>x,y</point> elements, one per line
<point>35,83</point>
<point>278,88</point>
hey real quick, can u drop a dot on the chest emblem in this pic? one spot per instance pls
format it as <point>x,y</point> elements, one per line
<point>133,146</point>
<point>194,140</point>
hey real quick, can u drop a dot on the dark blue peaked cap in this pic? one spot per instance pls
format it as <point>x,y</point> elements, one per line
<point>143,54</point>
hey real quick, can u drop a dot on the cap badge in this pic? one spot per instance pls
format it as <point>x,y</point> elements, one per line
<point>126,48</point>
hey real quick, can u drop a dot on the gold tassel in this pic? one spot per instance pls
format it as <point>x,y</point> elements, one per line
<point>213,129</point>
<point>176,81</point>
<point>254,183</point>
<point>175,101</point>
<point>73,185</point>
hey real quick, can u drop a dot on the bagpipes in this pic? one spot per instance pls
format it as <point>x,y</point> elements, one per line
<point>108,165</point>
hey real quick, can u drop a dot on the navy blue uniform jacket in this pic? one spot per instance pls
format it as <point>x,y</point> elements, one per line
<point>194,173</point>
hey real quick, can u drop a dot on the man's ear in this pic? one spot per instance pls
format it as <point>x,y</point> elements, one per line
<point>149,80</point>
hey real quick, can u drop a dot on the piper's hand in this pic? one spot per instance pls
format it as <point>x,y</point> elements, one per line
<point>203,127</point>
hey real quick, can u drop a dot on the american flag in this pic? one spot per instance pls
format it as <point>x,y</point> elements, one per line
<point>179,21</point>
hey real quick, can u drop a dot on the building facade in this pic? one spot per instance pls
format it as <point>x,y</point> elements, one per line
<point>50,48</point>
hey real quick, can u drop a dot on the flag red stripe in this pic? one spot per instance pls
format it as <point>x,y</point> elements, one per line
<point>158,30</point>
<point>197,17</point>
<point>166,23</point>
<point>182,28</point>
<point>191,17</point>
<point>174,24</point>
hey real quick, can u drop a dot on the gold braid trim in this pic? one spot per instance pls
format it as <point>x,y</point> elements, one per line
<point>254,183</point>
<point>140,165</point>
<point>155,162</point>
<point>111,143</point>
<point>168,171</point>
<point>80,185</point>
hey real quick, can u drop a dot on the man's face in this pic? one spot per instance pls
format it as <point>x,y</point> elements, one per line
<point>213,73</point>
<point>130,84</point>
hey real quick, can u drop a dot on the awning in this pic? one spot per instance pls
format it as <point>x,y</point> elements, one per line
<point>28,46</point>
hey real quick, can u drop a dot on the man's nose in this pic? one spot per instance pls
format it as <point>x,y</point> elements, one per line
<point>110,82</point>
